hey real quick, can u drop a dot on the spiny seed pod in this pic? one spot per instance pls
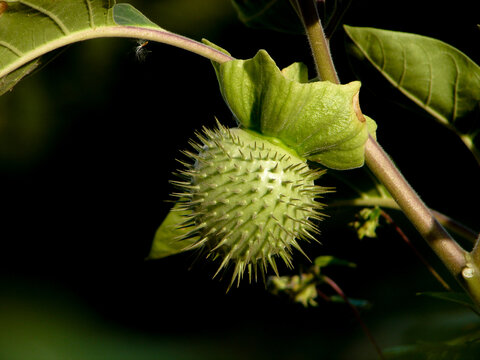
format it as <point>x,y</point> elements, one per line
<point>249,198</point>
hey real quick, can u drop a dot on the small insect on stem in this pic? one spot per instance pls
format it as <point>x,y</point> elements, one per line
<point>140,50</point>
<point>3,7</point>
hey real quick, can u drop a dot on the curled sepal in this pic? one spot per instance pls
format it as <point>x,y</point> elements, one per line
<point>320,121</point>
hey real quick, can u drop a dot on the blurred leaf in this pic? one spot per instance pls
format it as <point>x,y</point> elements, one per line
<point>455,297</point>
<point>470,351</point>
<point>277,15</point>
<point>323,261</point>
<point>43,323</point>
<point>299,288</point>
<point>358,303</point>
<point>367,222</point>
<point>317,120</point>
<point>437,77</point>
<point>166,241</point>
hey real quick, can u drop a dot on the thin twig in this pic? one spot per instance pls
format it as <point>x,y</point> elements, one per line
<point>455,226</point>
<point>355,311</point>
<point>336,19</point>
<point>405,238</point>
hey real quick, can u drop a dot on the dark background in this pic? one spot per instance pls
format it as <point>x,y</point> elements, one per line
<point>87,147</point>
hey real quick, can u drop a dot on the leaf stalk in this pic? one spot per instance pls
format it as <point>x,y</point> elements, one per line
<point>161,36</point>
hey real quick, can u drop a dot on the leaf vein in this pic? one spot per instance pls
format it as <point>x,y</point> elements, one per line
<point>384,60</point>
<point>404,67</point>
<point>455,89</point>
<point>405,92</point>
<point>90,14</point>
<point>48,13</point>
<point>12,48</point>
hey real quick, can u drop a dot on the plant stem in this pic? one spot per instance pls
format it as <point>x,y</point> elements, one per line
<point>318,42</point>
<point>159,35</point>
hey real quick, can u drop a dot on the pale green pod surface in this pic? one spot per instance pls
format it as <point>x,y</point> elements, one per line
<point>244,200</point>
<point>320,121</point>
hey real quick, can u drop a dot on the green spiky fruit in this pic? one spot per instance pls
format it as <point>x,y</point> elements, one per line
<point>250,200</point>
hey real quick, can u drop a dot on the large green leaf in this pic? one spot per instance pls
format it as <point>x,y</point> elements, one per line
<point>318,119</point>
<point>30,29</point>
<point>276,15</point>
<point>434,75</point>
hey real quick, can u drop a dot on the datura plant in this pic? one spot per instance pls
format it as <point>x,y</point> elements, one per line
<point>249,196</point>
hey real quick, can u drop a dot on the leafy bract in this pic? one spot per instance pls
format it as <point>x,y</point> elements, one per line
<point>30,29</point>
<point>166,238</point>
<point>318,120</point>
<point>277,15</point>
<point>434,75</point>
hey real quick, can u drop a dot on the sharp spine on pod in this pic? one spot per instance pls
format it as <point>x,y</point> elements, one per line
<point>262,194</point>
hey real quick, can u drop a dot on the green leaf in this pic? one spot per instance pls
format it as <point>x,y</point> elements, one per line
<point>358,303</point>
<point>327,260</point>
<point>436,351</point>
<point>166,241</point>
<point>437,77</point>
<point>317,120</point>
<point>127,15</point>
<point>10,80</point>
<point>30,29</point>
<point>277,15</point>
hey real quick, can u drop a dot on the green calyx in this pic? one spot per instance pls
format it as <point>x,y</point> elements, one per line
<point>246,201</point>
<point>320,120</point>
